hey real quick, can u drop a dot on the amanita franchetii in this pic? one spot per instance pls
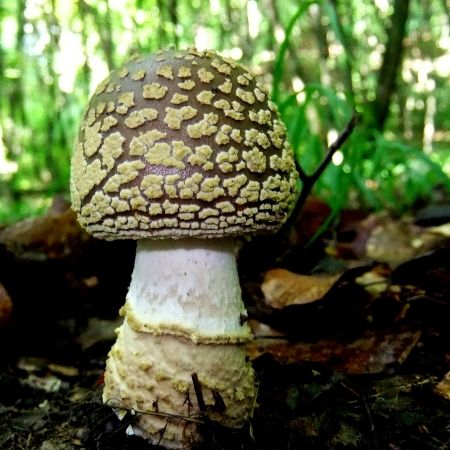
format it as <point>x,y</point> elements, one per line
<point>182,151</point>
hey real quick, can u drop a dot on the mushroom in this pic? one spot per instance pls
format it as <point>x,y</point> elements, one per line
<point>182,151</point>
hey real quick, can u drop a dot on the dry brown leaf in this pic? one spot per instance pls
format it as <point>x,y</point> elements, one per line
<point>395,241</point>
<point>98,330</point>
<point>375,281</point>
<point>282,287</point>
<point>260,329</point>
<point>52,236</point>
<point>381,237</point>
<point>370,354</point>
<point>67,371</point>
<point>443,387</point>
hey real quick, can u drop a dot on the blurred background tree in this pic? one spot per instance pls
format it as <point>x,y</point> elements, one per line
<point>387,60</point>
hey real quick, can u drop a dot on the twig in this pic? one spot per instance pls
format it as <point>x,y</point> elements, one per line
<point>121,405</point>
<point>309,180</point>
<point>198,393</point>
<point>332,149</point>
<point>161,433</point>
<point>361,396</point>
<point>372,429</point>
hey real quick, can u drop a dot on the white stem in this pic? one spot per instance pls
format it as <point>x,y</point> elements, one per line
<point>182,316</point>
<point>187,287</point>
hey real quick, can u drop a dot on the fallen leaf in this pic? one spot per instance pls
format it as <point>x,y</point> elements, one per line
<point>383,238</point>
<point>67,371</point>
<point>98,330</point>
<point>47,383</point>
<point>375,281</point>
<point>32,364</point>
<point>283,288</point>
<point>370,354</point>
<point>395,241</point>
<point>260,329</point>
<point>313,215</point>
<point>352,235</point>
<point>52,236</point>
<point>443,387</point>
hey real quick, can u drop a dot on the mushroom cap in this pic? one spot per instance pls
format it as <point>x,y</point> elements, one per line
<point>182,144</point>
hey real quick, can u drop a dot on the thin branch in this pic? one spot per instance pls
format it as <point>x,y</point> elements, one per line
<point>309,180</point>
<point>118,404</point>
<point>198,393</point>
<point>363,399</point>
<point>301,173</point>
<point>372,429</point>
<point>333,148</point>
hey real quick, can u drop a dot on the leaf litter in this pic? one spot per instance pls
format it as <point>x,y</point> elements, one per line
<point>351,336</point>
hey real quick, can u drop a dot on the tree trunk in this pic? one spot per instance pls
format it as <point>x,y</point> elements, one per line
<point>348,55</point>
<point>391,62</point>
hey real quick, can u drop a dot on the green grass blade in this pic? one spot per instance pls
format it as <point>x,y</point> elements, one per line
<point>279,61</point>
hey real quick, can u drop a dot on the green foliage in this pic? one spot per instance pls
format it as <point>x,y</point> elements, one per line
<point>322,59</point>
<point>378,170</point>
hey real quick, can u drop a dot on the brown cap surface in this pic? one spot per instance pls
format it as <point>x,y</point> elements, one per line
<point>179,144</point>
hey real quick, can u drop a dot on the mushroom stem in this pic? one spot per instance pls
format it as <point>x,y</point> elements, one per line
<point>182,317</point>
<point>187,287</point>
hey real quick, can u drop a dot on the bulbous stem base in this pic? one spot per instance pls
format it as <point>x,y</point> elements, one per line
<point>182,317</point>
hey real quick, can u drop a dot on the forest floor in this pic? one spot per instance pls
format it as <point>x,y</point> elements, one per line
<point>351,328</point>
